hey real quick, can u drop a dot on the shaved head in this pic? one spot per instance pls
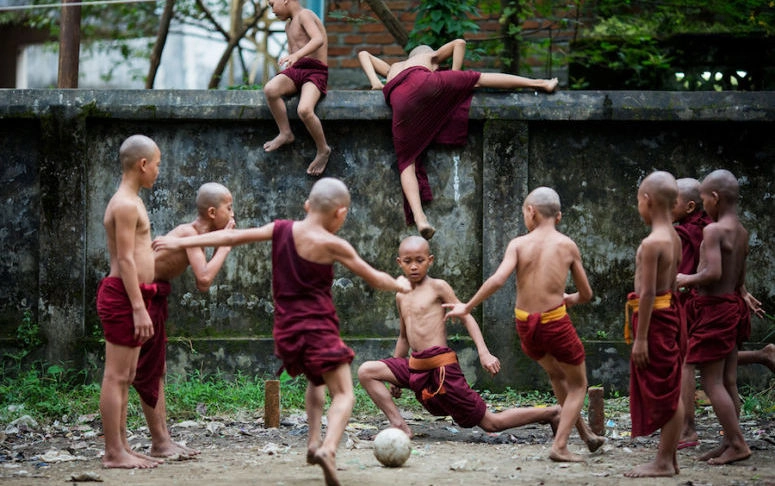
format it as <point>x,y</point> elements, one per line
<point>545,200</point>
<point>421,49</point>
<point>329,194</point>
<point>210,195</point>
<point>689,190</point>
<point>724,183</point>
<point>135,148</point>
<point>661,188</point>
<point>414,243</point>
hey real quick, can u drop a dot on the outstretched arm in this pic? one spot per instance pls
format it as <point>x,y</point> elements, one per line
<point>488,361</point>
<point>455,49</point>
<point>373,66</point>
<point>490,286</point>
<point>224,237</point>
<point>344,253</point>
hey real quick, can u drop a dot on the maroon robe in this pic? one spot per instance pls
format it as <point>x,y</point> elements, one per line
<point>454,398</point>
<point>719,324</point>
<point>115,312</point>
<point>656,389</point>
<point>558,338</point>
<point>306,327</point>
<point>308,70</point>
<point>428,106</point>
<point>690,230</point>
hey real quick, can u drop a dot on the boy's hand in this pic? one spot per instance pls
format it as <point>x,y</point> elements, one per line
<point>753,304</point>
<point>287,61</point>
<point>640,353</point>
<point>143,325</point>
<point>377,86</point>
<point>455,310</point>
<point>165,243</point>
<point>680,280</point>
<point>404,286</point>
<point>395,391</point>
<point>490,363</point>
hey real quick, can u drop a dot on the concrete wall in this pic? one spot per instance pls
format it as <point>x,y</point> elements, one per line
<point>59,168</point>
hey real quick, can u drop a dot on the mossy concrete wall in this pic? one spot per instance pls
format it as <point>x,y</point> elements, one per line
<point>59,169</point>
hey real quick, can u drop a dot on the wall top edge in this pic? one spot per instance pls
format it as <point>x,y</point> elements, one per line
<point>370,105</point>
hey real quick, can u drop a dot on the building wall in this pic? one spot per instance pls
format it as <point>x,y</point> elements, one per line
<point>59,152</point>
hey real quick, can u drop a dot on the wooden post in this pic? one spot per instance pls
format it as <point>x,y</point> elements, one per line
<point>69,45</point>
<point>596,410</point>
<point>271,404</point>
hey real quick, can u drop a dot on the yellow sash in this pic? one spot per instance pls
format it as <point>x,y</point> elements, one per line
<point>548,316</point>
<point>631,307</point>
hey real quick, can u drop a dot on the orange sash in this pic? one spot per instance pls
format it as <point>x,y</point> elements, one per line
<point>426,364</point>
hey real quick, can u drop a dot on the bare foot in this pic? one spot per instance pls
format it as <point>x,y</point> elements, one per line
<point>311,450</point>
<point>405,428</point>
<point>564,456</point>
<point>595,442</point>
<point>713,452</point>
<point>769,351</point>
<point>144,457</point>
<point>554,422</point>
<point>173,450</point>
<point>318,165</point>
<point>125,460</point>
<point>651,470</point>
<point>688,436</point>
<point>551,85</point>
<point>278,141</point>
<point>426,231</point>
<point>327,461</point>
<point>730,455</point>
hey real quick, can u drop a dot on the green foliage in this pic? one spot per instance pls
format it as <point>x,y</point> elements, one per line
<point>28,333</point>
<point>440,21</point>
<point>629,45</point>
<point>46,392</point>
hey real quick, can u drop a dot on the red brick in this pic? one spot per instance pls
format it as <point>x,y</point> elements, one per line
<point>393,50</point>
<point>349,63</point>
<point>338,27</point>
<point>353,39</point>
<point>378,39</point>
<point>334,51</point>
<point>370,27</point>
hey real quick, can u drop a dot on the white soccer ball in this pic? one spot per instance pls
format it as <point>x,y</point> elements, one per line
<point>392,447</point>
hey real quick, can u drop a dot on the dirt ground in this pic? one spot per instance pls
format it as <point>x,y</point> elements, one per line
<point>242,451</point>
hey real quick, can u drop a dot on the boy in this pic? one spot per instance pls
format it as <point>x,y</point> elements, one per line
<point>691,219</point>
<point>660,332</point>
<point>306,72</point>
<point>122,295</point>
<point>431,106</point>
<point>214,212</point>
<point>541,260</point>
<point>719,314</point>
<point>432,370</point>
<point>306,327</point>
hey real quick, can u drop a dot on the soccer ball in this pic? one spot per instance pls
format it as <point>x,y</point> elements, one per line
<point>392,447</point>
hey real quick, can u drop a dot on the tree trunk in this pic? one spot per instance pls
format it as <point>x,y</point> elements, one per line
<point>218,72</point>
<point>390,21</point>
<point>510,54</point>
<point>161,40</point>
<point>69,45</point>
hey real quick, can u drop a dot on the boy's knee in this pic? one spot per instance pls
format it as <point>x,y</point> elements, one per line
<point>366,370</point>
<point>305,112</point>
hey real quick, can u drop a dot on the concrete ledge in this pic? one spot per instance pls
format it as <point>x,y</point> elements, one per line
<point>370,105</point>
